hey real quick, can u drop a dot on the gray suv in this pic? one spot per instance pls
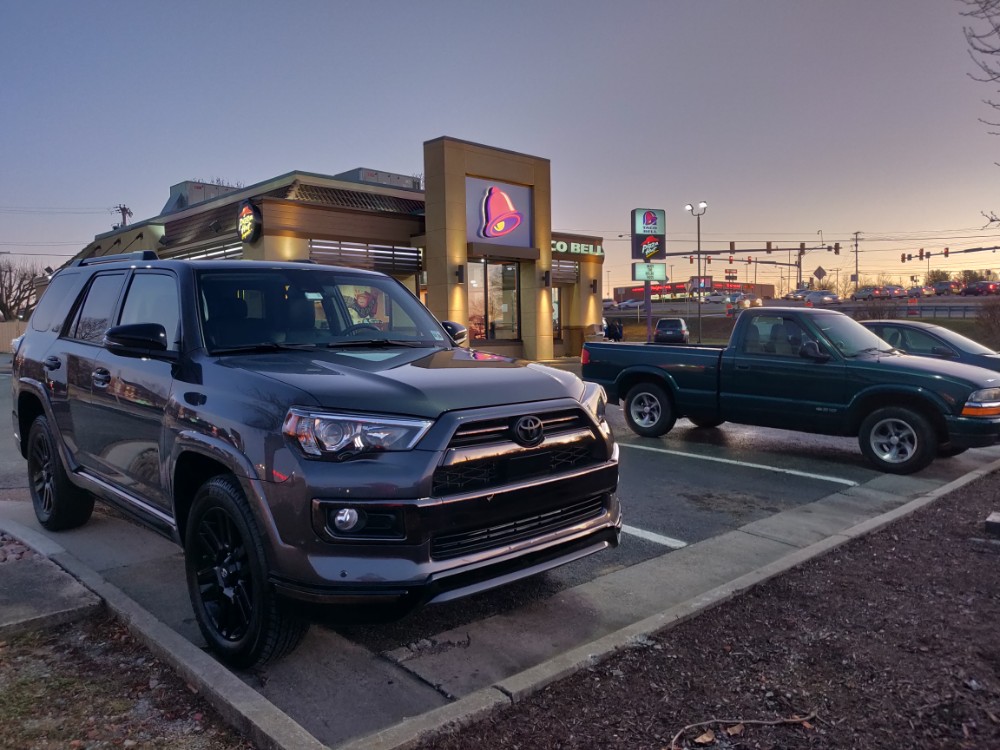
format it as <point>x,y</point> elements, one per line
<point>308,435</point>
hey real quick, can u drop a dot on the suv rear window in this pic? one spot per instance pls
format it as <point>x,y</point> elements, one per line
<point>54,304</point>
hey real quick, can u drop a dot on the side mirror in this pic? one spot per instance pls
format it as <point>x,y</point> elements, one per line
<point>459,333</point>
<point>811,350</point>
<point>136,339</point>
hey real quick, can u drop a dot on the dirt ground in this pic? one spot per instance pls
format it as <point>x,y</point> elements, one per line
<point>888,642</point>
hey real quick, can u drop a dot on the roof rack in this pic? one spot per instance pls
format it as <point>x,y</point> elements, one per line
<point>137,255</point>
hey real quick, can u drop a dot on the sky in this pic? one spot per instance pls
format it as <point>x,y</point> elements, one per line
<point>794,120</point>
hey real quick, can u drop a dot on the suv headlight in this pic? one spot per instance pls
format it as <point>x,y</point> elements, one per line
<point>343,436</point>
<point>595,400</point>
<point>983,403</point>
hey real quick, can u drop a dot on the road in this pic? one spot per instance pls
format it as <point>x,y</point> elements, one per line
<point>688,498</point>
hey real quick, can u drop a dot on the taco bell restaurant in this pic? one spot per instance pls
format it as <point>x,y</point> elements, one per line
<point>475,242</point>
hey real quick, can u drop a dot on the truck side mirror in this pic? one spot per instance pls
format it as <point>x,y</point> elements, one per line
<point>810,350</point>
<point>138,340</point>
<point>459,333</point>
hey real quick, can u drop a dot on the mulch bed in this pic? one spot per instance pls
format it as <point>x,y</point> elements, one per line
<point>891,641</point>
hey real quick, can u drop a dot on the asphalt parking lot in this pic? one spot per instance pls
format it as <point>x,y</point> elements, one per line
<point>689,499</point>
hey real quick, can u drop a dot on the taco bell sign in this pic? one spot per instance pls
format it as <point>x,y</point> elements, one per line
<point>649,234</point>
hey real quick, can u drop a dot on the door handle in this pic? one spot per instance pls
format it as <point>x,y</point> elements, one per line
<point>52,363</point>
<point>101,378</point>
<point>742,367</point>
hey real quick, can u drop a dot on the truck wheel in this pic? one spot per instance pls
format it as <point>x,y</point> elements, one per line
<point>59,504</point>
<point>649,411</point>
<point>705,424</point>
<point>241,618</point>
<point>898,440</point>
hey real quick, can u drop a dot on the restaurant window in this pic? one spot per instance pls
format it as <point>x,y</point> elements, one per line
<point>556,317</point>
<point>494,300</point>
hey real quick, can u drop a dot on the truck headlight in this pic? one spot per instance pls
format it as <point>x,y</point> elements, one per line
<point>983,403</point>
<point>343,436</point>
<point>595,400</point>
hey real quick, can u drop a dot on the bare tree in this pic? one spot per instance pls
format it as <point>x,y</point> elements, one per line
<point>983,36</point>
<point>17,290</point>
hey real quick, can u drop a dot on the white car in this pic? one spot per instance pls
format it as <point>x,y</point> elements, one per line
<point>717,297</point>
<point>629,304</point>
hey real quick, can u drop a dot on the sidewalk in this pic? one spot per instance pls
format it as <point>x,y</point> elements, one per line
<point>139,576</point>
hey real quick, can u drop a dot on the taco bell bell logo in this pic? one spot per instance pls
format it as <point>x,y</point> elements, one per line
<point>649,223</point>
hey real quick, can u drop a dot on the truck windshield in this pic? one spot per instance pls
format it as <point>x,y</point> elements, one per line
<point>848,336</point>
<point>270,307</point>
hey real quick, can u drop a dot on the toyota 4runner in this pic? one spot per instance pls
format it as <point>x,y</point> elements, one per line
<point>308,434</point>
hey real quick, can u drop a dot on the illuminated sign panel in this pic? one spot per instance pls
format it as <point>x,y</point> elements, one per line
<point>497,212</point>
<point>576,248</point>
<point>249,222</point>
<point>649,234</point>
<point>649,272</point>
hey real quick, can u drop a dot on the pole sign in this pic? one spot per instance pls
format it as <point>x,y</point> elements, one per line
<point>649,234</point>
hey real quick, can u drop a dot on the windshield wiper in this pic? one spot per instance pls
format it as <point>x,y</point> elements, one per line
<point>269,346</point>
<point>354,343</point>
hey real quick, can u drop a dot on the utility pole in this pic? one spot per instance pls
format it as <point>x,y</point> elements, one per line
<point>857,276</point>
<point>126,213</point>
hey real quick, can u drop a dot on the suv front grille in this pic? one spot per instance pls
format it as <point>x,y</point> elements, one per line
<point>471,541</point>
<point>470,476</point>
<point>498,430</point>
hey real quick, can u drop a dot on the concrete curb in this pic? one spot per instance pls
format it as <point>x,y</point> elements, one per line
<point>410,732</point>
<point>239,704</point>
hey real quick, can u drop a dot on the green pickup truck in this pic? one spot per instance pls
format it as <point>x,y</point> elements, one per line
<point>809,370</point>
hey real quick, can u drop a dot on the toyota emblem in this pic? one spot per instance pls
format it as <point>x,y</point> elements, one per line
<point>528,431</point>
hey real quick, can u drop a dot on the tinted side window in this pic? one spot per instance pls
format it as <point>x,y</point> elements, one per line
<point>94,315</point>
<point>152,298</point>
<point>55,302</point>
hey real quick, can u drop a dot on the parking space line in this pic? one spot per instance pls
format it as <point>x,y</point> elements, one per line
<point>747,464</point>
<point>649,536</point>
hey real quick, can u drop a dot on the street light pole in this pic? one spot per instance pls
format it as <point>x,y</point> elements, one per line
<point>697,214</point>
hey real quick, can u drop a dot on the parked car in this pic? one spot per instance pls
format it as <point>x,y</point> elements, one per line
<point>894,291</point>
<point>944,288</point>
<point>980,289</point>
<point>929,340</point>
<point>717,297</point>
<point>869,293</point>
<point>796,295</point>
<point>753,300</point>
<point>671,331</point>
<point>821,298</point>
<point>630,304</point>
<point>609,304</point>
<point>920,291</point>
<point>309,435</point>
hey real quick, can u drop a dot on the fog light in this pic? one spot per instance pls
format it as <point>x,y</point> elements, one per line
<point>346,519</point>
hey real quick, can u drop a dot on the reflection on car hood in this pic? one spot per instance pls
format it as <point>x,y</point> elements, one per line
<point>976,377</point>
<point>417,382</point>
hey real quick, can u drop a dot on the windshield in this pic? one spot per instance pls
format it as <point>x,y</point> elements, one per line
<point>271,307</point>
<point>848,336</point>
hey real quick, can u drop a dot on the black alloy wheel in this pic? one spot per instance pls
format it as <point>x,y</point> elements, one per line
<point>242,620</point>
<point>58,503</point>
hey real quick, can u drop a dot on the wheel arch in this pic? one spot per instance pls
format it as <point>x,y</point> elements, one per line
<point>918,401</point>
<point>633,376</point>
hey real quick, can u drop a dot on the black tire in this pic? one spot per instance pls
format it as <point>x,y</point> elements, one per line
<point>649,412</point>
<point>242,619</point>
<point>946,450</point>
<point>705,424</point>
<point>59,504</point>
<point>898,440</point>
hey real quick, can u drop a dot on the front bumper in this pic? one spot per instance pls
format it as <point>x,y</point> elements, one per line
<point>966,432</point>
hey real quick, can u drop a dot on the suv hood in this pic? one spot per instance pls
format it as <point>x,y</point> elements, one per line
<point>415,382</point>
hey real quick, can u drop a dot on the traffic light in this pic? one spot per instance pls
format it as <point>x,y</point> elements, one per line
<point>690,259</point>
<point>732,247</point>
<point>946,252</point>
<point>928,254</point>
<point>708,259</point>
<point>909,256</point>
<point>836,248</point>
<point>730,260</point>
<point>749,260</point>
<point>921,254</point>
<point>768,248</point>
<point>802,249</point>
<point>902,257</point>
